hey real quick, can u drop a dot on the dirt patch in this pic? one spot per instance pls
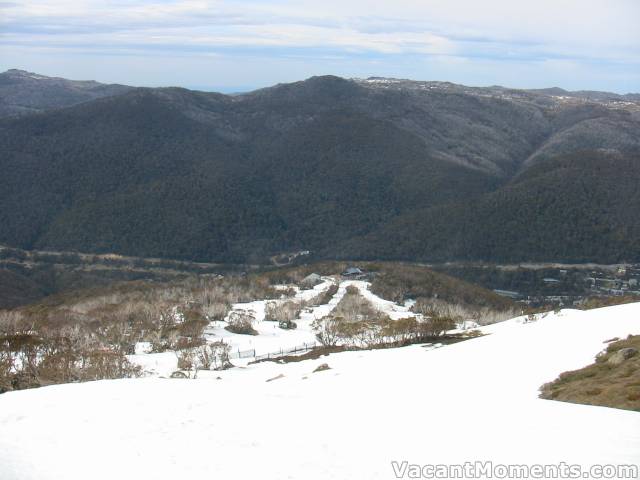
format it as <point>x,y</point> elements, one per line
<point>612,381</point>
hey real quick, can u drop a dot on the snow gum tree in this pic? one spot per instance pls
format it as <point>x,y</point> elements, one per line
<point>327,330</point>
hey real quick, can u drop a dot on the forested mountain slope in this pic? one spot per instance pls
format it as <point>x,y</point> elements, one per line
<point>372,168</point>
<point>25,92</point>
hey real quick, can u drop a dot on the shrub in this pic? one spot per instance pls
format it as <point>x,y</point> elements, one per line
<point>324,297</point>
<point>436,326</point>
<point>214,356</point>
<point>599,302</point>
<point>193,324</point>
<point>327,330</point>
<point>217,310</point>
<point>204,357</point>
<point>282,311</point>
<point>352,290</point>
<point>353,307</point>
<point>187,359</point>
<point>401,331</point>
<point>31,360</point>
<point>241,321</point>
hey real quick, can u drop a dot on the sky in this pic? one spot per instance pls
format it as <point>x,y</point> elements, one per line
<point>238,45</point>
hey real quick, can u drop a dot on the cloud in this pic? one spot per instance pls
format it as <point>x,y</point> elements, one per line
<point>583,31</point>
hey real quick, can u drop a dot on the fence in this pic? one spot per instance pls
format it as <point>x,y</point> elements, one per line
<point>242,353</point>
<point>236,354</point>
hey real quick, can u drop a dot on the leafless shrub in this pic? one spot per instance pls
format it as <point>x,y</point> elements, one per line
<point>214,356</point>
<point>11,322</point>
<point>327,330</point>
<point>204,357</point>
<point>216,310</point>
<point>430,307</point>
<point>35,359</point>
<point>241,321</point>
<point>188,361</point>
<point>283,311</point>
<point>192,323</point>
<point>488,316</point>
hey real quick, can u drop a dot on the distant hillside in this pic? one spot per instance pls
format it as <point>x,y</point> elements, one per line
<point>578,207</point>
<point>28,276</point>
<point>25,92</point>
<point>374,169</point>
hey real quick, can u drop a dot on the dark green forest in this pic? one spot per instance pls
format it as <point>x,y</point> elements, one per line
<point>325,165</point>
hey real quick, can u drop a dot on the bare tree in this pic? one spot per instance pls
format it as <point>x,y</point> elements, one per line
<point>327,330</point>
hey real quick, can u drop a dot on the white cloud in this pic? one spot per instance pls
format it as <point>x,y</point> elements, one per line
<point>489,31</point>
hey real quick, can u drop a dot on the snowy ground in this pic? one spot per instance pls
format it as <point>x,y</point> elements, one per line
<point>475,400</point>
<point>271,338</point>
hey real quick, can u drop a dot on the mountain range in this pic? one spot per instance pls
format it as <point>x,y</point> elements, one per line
<point>346,168</point>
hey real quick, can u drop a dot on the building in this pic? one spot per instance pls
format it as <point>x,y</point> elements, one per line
<point>353,272</point>
<point>311,281</point>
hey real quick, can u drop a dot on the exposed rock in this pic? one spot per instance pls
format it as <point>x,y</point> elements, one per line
<point>322,367</point>
<point>621,355</point>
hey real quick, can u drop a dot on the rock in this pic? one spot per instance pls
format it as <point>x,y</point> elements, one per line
<point>179,374</point>
<point>322,367</point>
<point>621,355</point>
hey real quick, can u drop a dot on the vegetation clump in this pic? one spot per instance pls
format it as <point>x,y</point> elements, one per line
<point>87,334</point>
<point>612,381</point>
<point>355,323</point>
<point>241,322</point>
<point>600,302</point>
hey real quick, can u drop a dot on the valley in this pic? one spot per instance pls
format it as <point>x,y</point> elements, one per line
<point>380,267</point>
<point>337,240</point>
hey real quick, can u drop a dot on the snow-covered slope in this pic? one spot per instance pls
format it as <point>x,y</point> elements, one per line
<point>270,338</point>
<point>472,401</point>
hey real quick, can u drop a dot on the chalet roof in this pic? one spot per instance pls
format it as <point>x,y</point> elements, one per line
<point>313,277</point>
<point>352,271</point>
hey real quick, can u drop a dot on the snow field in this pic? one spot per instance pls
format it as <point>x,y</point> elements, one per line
<point>474,400</point>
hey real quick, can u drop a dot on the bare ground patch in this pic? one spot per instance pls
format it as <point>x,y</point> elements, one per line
<point>612,381</point>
